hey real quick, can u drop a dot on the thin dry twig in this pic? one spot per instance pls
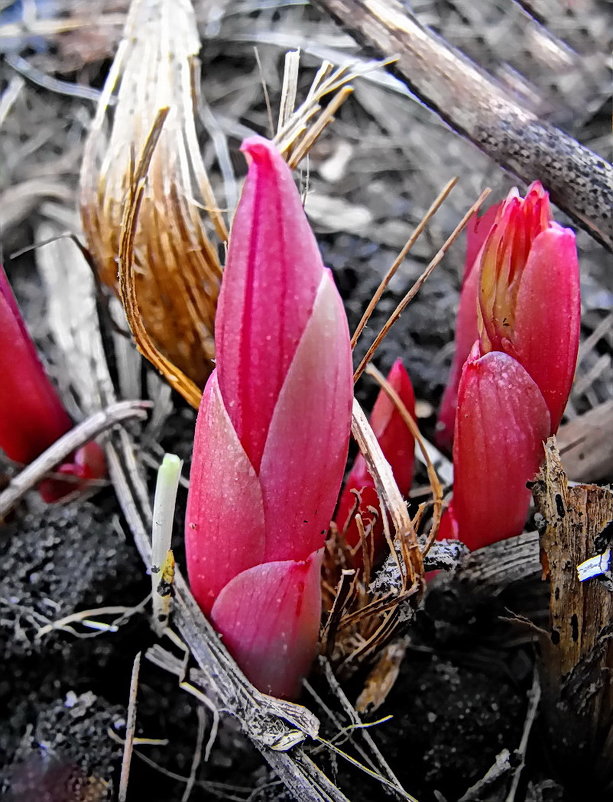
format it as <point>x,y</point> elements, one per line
<point>534,697</point>
<point>130,732</point>
<point>88,430</point>
<point>418,284</point>
<point>436,205</point>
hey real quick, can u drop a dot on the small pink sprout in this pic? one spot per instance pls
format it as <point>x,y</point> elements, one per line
<point>515,384</point>
<point>398,447</point>
<point>272,434</point>
<point>32,416</point>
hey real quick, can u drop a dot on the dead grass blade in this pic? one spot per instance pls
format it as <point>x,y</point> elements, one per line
<point>127,279</point>
<point>436,205</point>
<point>418,284</point>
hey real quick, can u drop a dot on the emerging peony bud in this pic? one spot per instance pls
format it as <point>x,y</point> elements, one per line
<point>32,416</point>
<point>398,447</point>
<point>466,328</point>
<point>272,434</point>
<point>529,298</point>
<point>514,387</point>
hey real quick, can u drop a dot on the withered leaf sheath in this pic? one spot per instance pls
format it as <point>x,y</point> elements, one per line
<point>176,267</point>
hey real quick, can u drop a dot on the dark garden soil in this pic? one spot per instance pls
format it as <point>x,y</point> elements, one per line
<point>463,692</point>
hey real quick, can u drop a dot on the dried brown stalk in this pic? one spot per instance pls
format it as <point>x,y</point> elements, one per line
<point>361,622</point>
<point>580,182</point>
<point>176,266</point>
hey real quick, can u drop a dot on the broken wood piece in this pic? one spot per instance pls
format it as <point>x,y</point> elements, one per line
<point>577,659</point>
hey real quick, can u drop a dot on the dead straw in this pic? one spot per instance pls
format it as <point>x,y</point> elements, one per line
<point>436,260</point>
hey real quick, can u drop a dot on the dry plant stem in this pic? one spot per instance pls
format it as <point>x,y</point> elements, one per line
<point>130,731</point>
<point>534,698</point>
<point>438,202</point>
<point>580,182</point>
<point>82,433</point>
<point>289,88</point>
<point>358,724</point>
<point>418,284</point>
<point>343,593</point>
<point>174,249</point>
<point>189,787</point>
<point>577,660</point>
<point>437,489</point>
<point>494,776</point>
<point>299,130</point>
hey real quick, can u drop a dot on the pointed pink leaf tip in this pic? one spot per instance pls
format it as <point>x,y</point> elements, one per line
<point>32,416</point>
<point>501,424</point>
<point>398,447</point>
<point>529,295</point>
<point>270,282</point>
<point>268,617</point>
<point>466,328</point>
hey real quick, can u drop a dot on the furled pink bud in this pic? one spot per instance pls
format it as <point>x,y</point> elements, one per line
<point>272,434</point>
<point>500,427</point>
<point>529,299</point>
<point>32,416</point>
<point>398,447</point>
<point>521,367</point>
<point>466,328</point>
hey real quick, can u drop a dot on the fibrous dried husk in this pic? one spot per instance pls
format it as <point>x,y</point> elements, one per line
<point>175,262</point>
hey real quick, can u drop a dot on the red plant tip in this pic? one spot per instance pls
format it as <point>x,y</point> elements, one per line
<point>272,432</point>
<point>500,427</point>
<point>398,447</point>
<point>520,296</point>
<point>88,463</point>
<point>529,297</point>
<point>270,283</point>
<point>466,328</point>
<point>32,416</point>
<point>503,259</point>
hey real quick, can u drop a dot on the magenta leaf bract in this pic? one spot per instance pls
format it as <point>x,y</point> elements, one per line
<point>500,427</point>
<point>268,617</point>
